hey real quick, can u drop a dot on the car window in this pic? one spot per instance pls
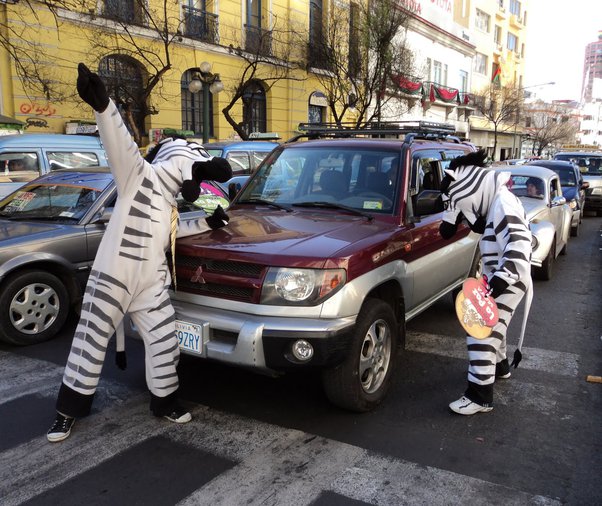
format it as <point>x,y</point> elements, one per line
<point>567,176</point>
<point>425,170</point>
<point>19,166</point>
<point>50,202</point>
<point>239,161</point>
<point>588,164</point>
<point>527,186</point>
<point>350,176</point>
<point>71,159</point>
<point>214,151</point>
<point>258,157</point>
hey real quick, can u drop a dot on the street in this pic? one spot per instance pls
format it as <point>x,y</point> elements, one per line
<point>277,441</point>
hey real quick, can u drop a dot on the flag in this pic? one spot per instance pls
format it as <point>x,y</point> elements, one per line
<point>497,74</point>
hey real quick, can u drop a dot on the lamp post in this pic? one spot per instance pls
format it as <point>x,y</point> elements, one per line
<point>203,79</point>
<point>516,116</point>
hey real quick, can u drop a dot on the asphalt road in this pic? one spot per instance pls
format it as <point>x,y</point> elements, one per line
<point>277,441</point>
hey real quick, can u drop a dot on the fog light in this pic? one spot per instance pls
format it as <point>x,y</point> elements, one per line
<point>302,350</point>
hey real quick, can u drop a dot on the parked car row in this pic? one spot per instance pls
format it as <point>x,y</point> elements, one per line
<point>333,245</point>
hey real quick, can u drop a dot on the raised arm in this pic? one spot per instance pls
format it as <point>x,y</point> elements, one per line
<point>124,157</point>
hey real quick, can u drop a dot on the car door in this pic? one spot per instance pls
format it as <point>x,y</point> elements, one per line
<point>558,212</point>
<point>437,263</point>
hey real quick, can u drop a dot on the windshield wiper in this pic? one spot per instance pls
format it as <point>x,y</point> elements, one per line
<point>333,205</point>
<point>266,203</point>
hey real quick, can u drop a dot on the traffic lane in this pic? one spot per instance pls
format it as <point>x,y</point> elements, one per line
<point>533,439</point>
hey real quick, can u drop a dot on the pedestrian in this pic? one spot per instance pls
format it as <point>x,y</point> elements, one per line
<point>130,272</point>
<point>481,196</point>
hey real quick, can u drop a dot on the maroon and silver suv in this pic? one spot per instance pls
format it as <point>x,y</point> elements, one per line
<point>332,246</point>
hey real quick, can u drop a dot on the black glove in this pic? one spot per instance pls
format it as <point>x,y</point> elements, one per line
<point>497,285</point>
<point>217,169</point>
<point>448,230</point>
<point>91,89</point>
<point>218,219</point>
<point>478,226</point>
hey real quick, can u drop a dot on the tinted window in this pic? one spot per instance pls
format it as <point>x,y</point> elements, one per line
<point>587,163</point>
<point>19,167</point>
<point>71,160</point>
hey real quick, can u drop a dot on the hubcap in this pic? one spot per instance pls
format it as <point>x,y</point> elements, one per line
<point>34,308</point>
<point>375,356</point>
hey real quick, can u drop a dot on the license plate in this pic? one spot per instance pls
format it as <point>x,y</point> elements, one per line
<point>190,337</point>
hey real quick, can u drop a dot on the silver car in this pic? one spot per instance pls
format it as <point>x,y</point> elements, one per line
<point>549,214</point>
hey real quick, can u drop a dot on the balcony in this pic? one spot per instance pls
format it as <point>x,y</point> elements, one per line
<point>258,41</point>
<point>498,49</point>
<point>501,13</point>
<point>517,21</point>
<point>201,25</point>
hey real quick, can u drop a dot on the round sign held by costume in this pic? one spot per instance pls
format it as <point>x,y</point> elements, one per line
<point>477,312</point>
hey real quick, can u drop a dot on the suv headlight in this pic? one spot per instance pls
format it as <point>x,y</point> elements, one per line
<point>300,287</point>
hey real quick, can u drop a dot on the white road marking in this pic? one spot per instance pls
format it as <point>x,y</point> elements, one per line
<point>537,359</point>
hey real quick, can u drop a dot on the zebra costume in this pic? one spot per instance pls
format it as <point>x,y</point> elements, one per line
<point>130,272</point>
<point>482,197</point>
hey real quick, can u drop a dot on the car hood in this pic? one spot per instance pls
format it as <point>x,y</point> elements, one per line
<point>271,234</point>
<point>18,232</point>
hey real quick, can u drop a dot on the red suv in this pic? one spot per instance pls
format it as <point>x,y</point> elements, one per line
<point>332,246</point>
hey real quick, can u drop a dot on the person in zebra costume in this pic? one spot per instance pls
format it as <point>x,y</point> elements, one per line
<point>481,197</point>
<point>130,271</point>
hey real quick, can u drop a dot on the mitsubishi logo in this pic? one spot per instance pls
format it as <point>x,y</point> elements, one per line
<point>197,277</point>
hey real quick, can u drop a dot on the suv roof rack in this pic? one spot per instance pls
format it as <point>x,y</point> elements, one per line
<point>411,129</point>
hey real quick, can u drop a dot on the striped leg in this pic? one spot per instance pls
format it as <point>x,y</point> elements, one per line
<point>483,354</point>
<point>101,313</point>
<point>157,328</point>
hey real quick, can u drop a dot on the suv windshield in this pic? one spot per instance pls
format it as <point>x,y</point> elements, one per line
<point>589,164</point>
<point>361,179</point>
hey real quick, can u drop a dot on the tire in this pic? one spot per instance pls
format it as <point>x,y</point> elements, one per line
<point>547,267</point>
<point>33,307</point>
<point>362,380</point>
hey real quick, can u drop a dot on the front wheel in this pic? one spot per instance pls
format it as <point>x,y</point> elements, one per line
<point>547,267</point>
<point>33,307</point>
<point>362,380</point>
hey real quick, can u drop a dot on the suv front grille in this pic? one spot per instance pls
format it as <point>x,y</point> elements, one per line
<point>220,278</point>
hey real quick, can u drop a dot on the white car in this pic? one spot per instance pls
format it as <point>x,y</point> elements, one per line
<point>549,214</point>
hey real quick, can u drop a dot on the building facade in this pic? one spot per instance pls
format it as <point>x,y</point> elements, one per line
<point>592,68</point>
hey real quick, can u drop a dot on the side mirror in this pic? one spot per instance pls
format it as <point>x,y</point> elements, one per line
<point>428,202</point>
<point>233,189</point>
<point>558,201</point>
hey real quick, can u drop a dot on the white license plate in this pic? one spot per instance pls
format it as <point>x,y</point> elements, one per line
<point>190,336</point>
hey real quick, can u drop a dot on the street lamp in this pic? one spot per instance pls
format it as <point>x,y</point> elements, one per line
<point>203,79</point>
<point>522,88</point>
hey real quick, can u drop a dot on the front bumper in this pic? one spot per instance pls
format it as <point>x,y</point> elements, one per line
<point>264,342</point>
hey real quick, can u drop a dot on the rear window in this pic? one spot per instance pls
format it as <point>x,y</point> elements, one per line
<point>588,164</point>
<point>19,167</point>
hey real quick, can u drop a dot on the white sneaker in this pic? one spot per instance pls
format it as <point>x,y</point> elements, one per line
<point>464,406</point>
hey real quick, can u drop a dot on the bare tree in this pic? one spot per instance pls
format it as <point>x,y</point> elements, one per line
<point>549,125</point>
<point>357,55</point>
<point>501,106</point>
<point>267,57</point>
<point>30,54</point>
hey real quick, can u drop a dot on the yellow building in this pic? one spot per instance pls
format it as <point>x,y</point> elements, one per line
<point>133,42</point>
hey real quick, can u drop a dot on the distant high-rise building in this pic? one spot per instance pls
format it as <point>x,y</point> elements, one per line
<point>592,68</point>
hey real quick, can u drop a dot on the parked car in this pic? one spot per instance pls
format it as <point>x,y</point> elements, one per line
<point>573,187</point>
<point>332,245</point>
<point>548,213</point>
<point>590,165</point>
<point>50,229</point>
<point>244,156</point>
<point>27,156</point>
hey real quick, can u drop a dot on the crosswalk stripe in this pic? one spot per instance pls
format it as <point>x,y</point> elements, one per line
<point>536,359</point>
